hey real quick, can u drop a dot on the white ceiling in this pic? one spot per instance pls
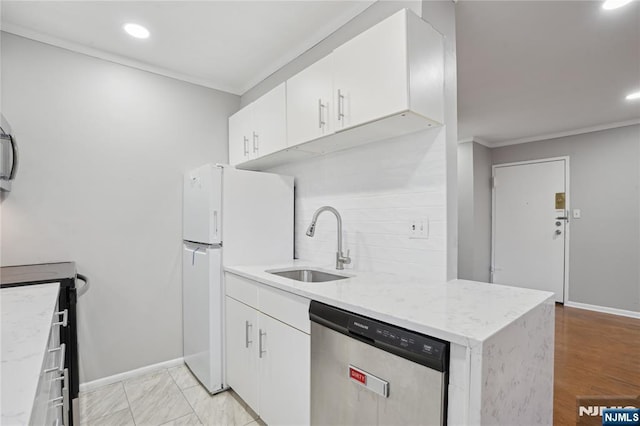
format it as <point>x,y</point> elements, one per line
<point>526,69</point>
<point>533,68</point>
<point>227,45</point>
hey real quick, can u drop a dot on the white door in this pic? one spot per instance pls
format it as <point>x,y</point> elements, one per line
<point>269,120</point>
<point>310,102</point>
<point>529,228</point>
<point>202,313</point>
<point>370,78</point>
<point>285,363</point>
<point>201,205</point>
<point>242,353</point>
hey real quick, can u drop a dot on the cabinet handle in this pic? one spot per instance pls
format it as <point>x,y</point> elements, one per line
<point>340,105</point>
<point>321,121</point>
<point>65,317</point>
<point>247,326</point>
<point>64,378</point>
<point>55,402</point>
<point>60,368</point>
<point>255,143</point>
<point>246,145</point>
<point>215,222</point>
<point>260,336</point>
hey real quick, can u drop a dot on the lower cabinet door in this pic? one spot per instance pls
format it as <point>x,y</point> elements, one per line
<point>242,357</point>
<point>284,355</point>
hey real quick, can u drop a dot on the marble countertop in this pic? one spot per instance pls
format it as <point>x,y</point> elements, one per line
<point>26,321</point>
<point>459,311</point>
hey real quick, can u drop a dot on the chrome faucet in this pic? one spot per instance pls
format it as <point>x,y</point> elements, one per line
<point>341,259</point>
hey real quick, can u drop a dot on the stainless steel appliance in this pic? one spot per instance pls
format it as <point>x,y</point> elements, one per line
<point>366,372</point>
<point>8,155</point>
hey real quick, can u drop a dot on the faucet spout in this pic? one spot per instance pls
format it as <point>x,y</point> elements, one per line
<point>341,259</point>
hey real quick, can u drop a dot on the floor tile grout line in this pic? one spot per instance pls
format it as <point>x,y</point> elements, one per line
<point>185,396</point>
<point>111,412</point>
<point>128,403</point>
<point>190,404</point>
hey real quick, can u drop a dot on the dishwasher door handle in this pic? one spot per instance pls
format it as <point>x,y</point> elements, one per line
<point>369,381</point>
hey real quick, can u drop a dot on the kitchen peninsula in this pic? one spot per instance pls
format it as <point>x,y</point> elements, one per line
<point>501,338</point>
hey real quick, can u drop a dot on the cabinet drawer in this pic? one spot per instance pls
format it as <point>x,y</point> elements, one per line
<point>286,307</point>
<point>241,289</point>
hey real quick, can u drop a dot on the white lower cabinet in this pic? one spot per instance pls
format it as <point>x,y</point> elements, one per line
<point>285,374</point>
<point>242,357</point>
<point>268,357</point>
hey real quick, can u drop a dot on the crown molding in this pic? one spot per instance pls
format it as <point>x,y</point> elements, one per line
<point>117,59</point>
<point>563,134</point>
<point>476,140</point>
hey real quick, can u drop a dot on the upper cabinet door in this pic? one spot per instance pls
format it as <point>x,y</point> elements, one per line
<point>269,118</point>
<point>240,133</point>
<point>370,74</point>
<point>310,102</point>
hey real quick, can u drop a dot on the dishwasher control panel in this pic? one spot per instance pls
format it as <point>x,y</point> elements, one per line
<point>425,350</point>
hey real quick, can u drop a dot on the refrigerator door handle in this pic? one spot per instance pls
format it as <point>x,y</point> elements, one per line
<point>215,222</point>
<point>193,255</point>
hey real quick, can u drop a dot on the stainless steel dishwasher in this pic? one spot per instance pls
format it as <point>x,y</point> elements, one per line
<point>367,372</point>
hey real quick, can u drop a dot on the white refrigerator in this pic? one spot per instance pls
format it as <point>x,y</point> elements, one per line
<point>230,217</point>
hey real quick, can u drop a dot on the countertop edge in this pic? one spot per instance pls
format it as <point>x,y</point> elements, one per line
<point>32,393</point>
<point>469,341</point>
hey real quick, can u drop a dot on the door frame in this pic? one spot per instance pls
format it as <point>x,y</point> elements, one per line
<point>567,228</point>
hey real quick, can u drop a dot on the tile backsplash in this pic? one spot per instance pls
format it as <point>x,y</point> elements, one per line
<point>380,190</point>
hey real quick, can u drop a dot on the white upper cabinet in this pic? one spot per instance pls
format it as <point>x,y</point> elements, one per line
<point>385,82</point>
<point>269,117</point>
<point>370,74</point>
<point>260,128</point>
<point>310,109</point>
<point>240,136</point>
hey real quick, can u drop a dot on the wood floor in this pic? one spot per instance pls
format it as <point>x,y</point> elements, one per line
<point>595,354</point>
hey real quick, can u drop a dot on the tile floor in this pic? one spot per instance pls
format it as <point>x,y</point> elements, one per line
<point>165,397</point>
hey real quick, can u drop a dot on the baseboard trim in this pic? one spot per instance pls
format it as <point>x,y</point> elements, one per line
<point>94,384</point>
<point>603,309</point>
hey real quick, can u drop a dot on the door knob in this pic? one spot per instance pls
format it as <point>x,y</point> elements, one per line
<point>558,232</point>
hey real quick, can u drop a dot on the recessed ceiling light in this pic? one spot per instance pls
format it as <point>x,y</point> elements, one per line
<point>614,4</point>
<point>137,31</point>
<point>633,96</point>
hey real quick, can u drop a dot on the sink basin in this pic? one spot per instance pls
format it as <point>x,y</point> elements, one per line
<point>308,275</point>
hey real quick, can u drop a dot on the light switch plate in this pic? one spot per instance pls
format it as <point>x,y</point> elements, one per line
<point>577,214</point>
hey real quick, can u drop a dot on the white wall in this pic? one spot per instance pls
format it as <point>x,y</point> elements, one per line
<point>474,205</point>
<point>605,185</point>
<point>103,149</point>
<point>465,208</point>
<point>482,212</point>
<point>442,15</point>
<point>380,188</point>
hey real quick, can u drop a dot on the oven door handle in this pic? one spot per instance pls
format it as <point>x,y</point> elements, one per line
<point>14,162</point>
<point>82,290</point>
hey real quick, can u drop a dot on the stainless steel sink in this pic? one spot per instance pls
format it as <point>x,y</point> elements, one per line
<point>308,275</point>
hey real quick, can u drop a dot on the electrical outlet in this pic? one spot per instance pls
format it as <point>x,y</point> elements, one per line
<point>419,229</point>
<point>413,229</point>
